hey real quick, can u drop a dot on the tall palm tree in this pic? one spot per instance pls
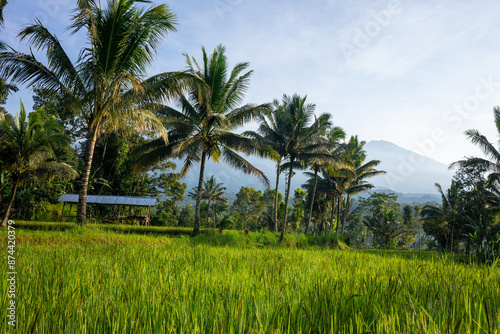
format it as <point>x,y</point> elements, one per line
<point>26,150</point>
<point>208,112</point>
<point>318,162</point>
<point>105,85</point>
<point>332,183</point>
<point>273,144</point>
<point>362,171</point>
<point>299,132</point>
<point>450,213</point>
<point>212,192</point>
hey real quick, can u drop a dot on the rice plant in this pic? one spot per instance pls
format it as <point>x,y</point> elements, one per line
<point>102,282</point>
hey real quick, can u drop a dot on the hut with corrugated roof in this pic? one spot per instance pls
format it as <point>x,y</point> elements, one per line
<point>119,204</point>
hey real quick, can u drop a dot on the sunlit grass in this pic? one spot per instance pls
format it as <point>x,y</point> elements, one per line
<point>96,281</point>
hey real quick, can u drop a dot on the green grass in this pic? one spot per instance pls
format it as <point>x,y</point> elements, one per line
<point>96,281</point>
<point>208,236</point>
<point>119,228</point>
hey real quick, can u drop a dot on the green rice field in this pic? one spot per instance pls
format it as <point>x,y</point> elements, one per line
<point>90,281</point>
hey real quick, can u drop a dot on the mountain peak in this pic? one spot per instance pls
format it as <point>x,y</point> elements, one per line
<point>407,171</point>
<point>381,142</point>
<point>385,144</point>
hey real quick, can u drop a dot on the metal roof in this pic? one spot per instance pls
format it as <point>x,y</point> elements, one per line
<point>111,200</point>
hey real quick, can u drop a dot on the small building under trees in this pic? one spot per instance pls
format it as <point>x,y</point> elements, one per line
<point>124,208</point>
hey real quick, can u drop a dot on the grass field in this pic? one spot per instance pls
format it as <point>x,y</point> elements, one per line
<point>96,281</point>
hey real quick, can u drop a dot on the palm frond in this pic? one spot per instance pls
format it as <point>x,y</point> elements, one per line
<point>165,87</point>
<point>26,70</point>
<point>139,120</point>
<point>154,151</point>
<point>238,162</point>
<point>53,170</point>
<point>3,3</point>
<point>481,163</point>
<point>496,114</point>
<point>218,121</point>
<point>189,161</point>
<point>139,42</point>
<point>247,113</point>
<point>482,142</point>
<point>58,61</point>
<point>235,88</point>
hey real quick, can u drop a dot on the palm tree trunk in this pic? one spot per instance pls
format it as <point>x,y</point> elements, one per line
<point>196,228</point>
<point>347,208</point>
<point>245,221</point>
<point>15,183</point>
<point>208,213</point>
<point>213,211</point>
<point>81,215</point>
<point>338,212</point>
<point>102,162</point>
<point>451,243</point>
<point>320,216</point>
<point>312,201</point>
<point>333,214</point>
<point>276,193</point>
<point>286,201</point>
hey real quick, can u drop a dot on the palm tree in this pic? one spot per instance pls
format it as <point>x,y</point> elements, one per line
<point>26,150</point>
<point>299,133</point>
<point>208,113</point>
<point>273,144</point>
<point>450,213</point>
<point>493,164</point>
<point>331,183</point>
<point>317,162</point>
<point>385,227</point>
<point>362,171</point>
<point>489,164</point>
<point>105,85</point>
<point>211,192</point>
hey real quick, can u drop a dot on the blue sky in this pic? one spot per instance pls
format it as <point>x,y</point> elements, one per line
<point>416,73</point>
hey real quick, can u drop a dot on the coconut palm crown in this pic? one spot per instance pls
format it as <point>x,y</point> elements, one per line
<point>201,127</point>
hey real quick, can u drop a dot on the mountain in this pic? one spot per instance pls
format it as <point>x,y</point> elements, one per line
<point>409,174</point>
<point>407,171</point>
